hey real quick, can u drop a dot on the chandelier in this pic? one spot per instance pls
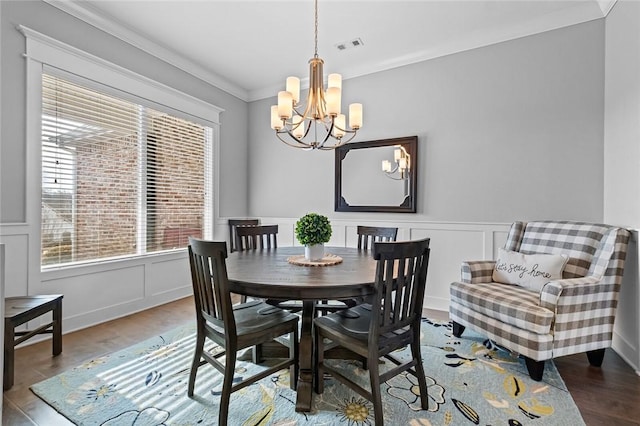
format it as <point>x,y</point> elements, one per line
<point>318,123</point>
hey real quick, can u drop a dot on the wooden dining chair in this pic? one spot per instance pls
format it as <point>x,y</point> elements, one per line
<point>254,237</point>
<point>390,323</point>
<point>235,223</point>
<point>233,327</point>
<point>263,237</point>
<point>367,235</point>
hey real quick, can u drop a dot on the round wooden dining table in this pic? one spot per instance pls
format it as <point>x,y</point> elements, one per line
<point>268,274</point>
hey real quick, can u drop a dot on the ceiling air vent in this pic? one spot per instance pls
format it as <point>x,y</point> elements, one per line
<point>356,42</point>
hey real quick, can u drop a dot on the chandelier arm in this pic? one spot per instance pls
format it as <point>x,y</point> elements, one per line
<point>340,142</point>
<point>395,169</point>
<point>345,130</point>
<point>388,174</point>
<point>393,178</point>
<point>298,112</point>
<point>306,130</point>
<point>329,130</point>
<point>305,116</point>
<point>353,135</point>
<point>300,141</point>
<point>300,144</point>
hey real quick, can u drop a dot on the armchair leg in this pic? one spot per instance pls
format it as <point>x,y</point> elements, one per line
<point>458,329</point>
<point>535,368</point>
<point>596,357</point>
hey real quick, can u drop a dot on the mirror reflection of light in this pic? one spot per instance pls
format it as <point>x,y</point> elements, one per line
<point>401,167</point>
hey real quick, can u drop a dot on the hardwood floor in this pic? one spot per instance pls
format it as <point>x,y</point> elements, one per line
<point>34,363</point>
<point>605,396</point>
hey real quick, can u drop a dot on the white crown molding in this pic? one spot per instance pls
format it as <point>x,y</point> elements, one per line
<point>559,19</point>
<point>86,13</point>
<point>606,6</point>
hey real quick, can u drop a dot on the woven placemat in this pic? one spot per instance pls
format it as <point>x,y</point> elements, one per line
<point>328,260</point>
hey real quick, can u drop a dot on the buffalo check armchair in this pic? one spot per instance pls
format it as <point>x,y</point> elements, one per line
<point>557,292</point>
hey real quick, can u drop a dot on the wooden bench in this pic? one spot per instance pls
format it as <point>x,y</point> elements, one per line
<point>21,309</point>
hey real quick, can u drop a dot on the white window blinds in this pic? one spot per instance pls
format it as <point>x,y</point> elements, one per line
<point>118,178</point>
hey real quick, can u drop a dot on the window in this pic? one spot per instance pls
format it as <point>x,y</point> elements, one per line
<point>118,178</point>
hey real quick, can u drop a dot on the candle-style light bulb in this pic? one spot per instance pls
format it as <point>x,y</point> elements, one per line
<point>338,126</point>
<point>355,116</point>
<point>276,121</point>
<point>298,131</point>
<point>293,87</point>
<point>285,104</point>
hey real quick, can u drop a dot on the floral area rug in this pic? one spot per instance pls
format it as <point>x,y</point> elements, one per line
<point>469,382</point>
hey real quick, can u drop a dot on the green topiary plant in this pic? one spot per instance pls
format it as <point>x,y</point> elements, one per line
<point>313,228</point>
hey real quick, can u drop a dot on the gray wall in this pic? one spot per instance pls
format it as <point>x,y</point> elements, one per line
<point>509,131</point>
<point>622,115</point>
<point>49,20</point>
<point>622,160</point>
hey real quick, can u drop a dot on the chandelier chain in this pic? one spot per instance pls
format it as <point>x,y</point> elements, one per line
<point>316,29</point>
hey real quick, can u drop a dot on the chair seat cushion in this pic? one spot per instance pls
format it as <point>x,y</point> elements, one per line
<point>510,304</point>
<point>353,323</point>
<point>256,317</point>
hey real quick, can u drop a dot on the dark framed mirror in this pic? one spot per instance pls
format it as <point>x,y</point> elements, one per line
<point>377,176</point>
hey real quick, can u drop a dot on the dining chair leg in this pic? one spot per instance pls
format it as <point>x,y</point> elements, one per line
<point>293,352</point>
<point>197,356</point>
<point>422,381</point>
<point>229,370</point>
<point>319,376</point>
<point>256,354</point>
<point>376,393</point>
<point>57,328</point>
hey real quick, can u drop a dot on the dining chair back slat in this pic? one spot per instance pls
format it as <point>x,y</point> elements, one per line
<point>367,235</point>
<point>402,288</point>
<point>256,237</point>
<point>211,294</point>
<point>235,223</point>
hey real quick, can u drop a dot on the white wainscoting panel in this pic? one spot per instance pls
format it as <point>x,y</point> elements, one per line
<point>167,279</point>
<point>88,298</point>
<point>16,243</point>
<point>449,247</point>
<point>101,292</point>
<point>499,238</point>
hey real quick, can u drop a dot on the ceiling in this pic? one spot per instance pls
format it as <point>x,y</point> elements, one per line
<point>248,48</point>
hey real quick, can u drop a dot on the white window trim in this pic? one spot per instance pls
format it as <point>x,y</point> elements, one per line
<point>43,51</point>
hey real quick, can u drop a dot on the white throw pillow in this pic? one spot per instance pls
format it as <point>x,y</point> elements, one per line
<point>532,271</point>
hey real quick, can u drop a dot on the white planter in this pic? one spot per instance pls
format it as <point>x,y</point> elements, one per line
<point>314,252</point>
